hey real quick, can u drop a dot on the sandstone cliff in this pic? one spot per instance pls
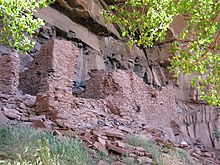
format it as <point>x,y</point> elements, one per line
<point>83,75</point>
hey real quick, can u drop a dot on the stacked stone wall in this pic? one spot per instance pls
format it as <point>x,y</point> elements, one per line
<point>120,93</point>
<point>55,88</point>
<point>98,86</point>
<point>39,68</point>
<point>9,73</point>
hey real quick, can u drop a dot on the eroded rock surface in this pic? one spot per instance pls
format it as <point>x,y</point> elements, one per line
<point>82,79</point>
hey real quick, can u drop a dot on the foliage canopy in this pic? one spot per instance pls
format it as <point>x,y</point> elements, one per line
<point>17,22</point>
<point>197,48</point>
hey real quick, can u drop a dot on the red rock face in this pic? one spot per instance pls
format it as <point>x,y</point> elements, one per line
<point>113,97</point>
<point>198,123</point>
<point>116,103</point>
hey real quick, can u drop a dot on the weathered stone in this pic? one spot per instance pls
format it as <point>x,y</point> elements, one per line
<point>3,119</point>
<point>126,99</point>
<point>114,133</point>
<point>11,115</point>
<point>183,144</point>
<point>55,58</point>
<point>206,154</point>
<point>125,129</point>
<point>30,101</point>
<point>149,155</point>
<point>102,141</point>
<point>10,110</point>
<point>64,23</point>
<point>197,121</point>
<point>197,150</point>
<point>141,149</point>
<point>116,149</point>
<point>100,147</point>
<point>98,132</point>
<point>121,144</point>
<point>101,162</point>
<point>118,163</point>
<point>37,118</point>
<point>139,153</point>
<point>144,160</point>
<point>178,25</point>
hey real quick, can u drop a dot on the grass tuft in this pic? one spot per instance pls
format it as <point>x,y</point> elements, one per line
<point>24,145</point>
<point>172,157</point>
<point>148,145</point>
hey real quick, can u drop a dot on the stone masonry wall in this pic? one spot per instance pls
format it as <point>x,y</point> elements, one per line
<point>55,88</point>
<point>9,72</point>
<point>39,68</point>
<point>100,85</point>
<point>128,96</point>
<point>120,95</point>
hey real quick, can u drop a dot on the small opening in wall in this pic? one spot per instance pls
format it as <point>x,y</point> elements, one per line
<point>78,87</point>
<point>153,95</point>
<point>38,73</point>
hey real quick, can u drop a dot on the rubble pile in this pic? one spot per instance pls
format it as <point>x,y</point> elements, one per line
<point>21,108</point>
<point>119,140</point>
